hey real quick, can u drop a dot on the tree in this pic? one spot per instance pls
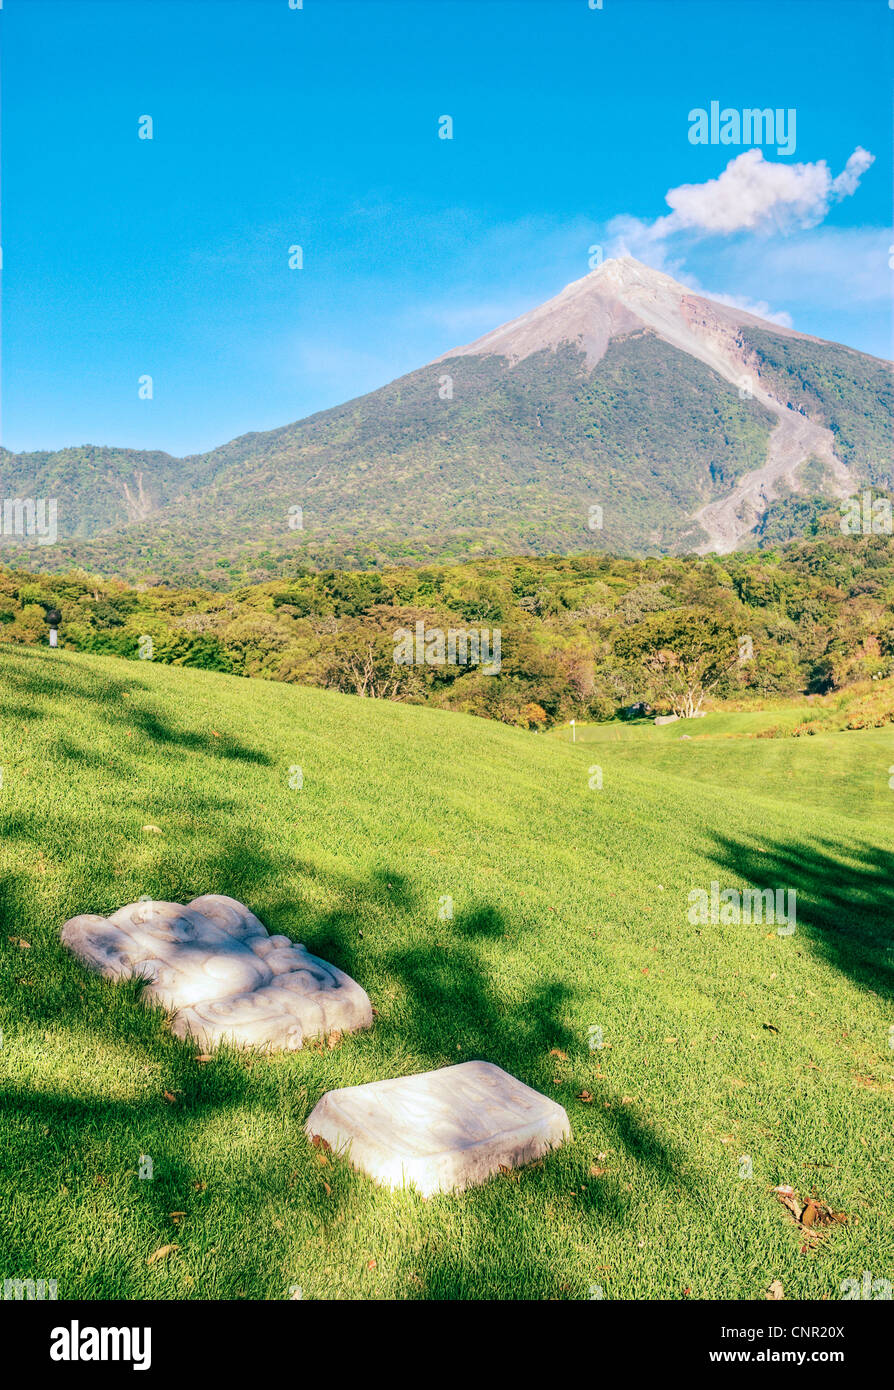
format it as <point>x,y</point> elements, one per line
<point>682,655</point>
<point>363,664</point>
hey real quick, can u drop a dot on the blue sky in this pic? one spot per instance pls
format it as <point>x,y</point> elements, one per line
<point>275,126</point>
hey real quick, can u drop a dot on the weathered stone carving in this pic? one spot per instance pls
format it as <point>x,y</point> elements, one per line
<point>440,1131</point>
<point>213,964</point>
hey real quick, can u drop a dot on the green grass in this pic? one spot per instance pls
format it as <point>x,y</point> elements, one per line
<point>570,910</point>
<point>716,724</point>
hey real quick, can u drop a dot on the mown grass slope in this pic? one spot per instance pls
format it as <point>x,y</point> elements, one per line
<point>570,910</point>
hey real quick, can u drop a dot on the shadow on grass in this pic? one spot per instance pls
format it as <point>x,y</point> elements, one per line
<point>448,994</point>
<point>845,900</point>
<point>123,702</point>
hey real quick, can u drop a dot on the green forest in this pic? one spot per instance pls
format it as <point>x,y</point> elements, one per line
<point>590,637</point>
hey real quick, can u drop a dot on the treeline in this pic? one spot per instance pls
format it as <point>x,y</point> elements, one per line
<point>579,637</point>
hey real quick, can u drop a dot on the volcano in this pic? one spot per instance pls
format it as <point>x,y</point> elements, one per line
<point>627,413</point>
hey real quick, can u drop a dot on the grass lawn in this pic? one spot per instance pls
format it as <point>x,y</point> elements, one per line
<point>570,910</point>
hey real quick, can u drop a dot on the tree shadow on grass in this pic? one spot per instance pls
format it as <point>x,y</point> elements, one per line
<point>126,703</point>
<point>454,1006</point>
<point>845,900</point>
<point>449,991</point>
<point>454,1000</point>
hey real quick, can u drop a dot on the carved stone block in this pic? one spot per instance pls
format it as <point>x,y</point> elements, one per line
<point>440,1131</point>
<point>213,964</point>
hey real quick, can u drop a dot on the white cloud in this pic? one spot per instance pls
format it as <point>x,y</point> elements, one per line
<point>751,195</point>
<point>755,197</point>
<point>849,178</point>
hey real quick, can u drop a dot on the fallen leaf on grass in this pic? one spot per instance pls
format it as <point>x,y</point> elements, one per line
<point>151,829</point>
<point>334,1038</point>
<point>161,1253</point>
<point>585,1097</point>
<point>20,941</point>
<point>557,1052</point>
<point>808,1214</point>
<point>205,1057</point>
<point>596,1171</point>
<point>775,1290</point>
<point>320,1143</point>
<point>170,1097</point>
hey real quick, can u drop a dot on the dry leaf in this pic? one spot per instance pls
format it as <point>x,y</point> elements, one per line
<point>320,1143</point>
<point>170,1097</point>
<point>334,1038</point>
<point>20,941</point>
<point>205,1057</point>
<point>557,1052</point>
<point>775,1290</point>
<point>585,1097</point>
<point>161,1253</point>
<point>789,1199</point>
<point>810,1214</point>
<point>152,829</point>
<point>596,1171</point>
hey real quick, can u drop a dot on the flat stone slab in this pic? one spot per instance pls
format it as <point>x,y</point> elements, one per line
<point>214,964</point>
<point>440,1131</point>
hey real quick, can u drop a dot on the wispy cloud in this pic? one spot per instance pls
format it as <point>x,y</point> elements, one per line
<point>760,307</point>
